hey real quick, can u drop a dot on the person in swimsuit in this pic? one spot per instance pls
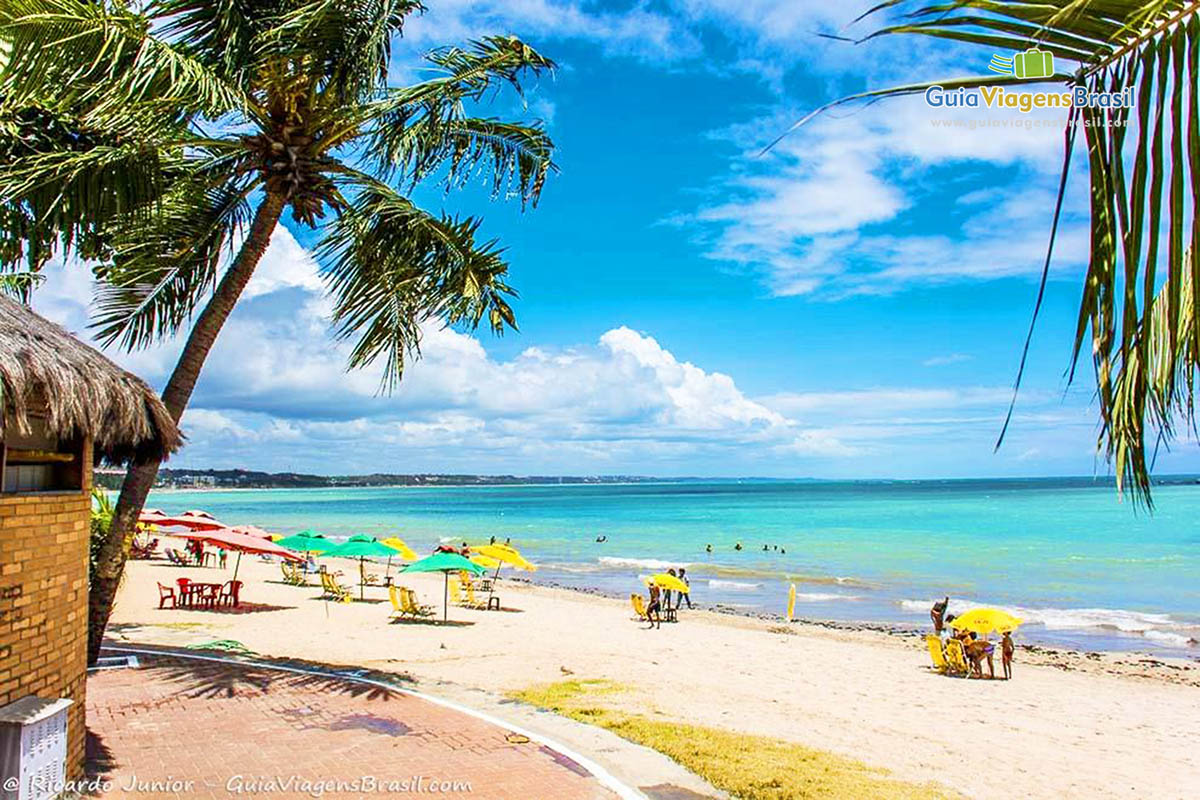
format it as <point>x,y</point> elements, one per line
<point>653,608</point>
<point>938,613</point>
<point>1007,648</point>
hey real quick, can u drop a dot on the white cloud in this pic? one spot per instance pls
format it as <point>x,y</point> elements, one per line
<point>638,31</point>
<point>275,380</point>
<point>820,213</point>
<point>946,360</point>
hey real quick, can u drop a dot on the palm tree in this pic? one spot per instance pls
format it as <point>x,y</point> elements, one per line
<point>214,117</point>
<point>1139,306</point>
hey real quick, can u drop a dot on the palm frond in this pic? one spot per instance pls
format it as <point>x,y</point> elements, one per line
<point>19,285</point>
<point>61,183</point>
<point>420,129</point>
<point>164,265</point>
<point>392,267</point>
<point>346,44</point>
<point>1144,173</point>
<point>103,57</point>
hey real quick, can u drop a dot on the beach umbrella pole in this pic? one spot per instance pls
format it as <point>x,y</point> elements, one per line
<point>237,564</point>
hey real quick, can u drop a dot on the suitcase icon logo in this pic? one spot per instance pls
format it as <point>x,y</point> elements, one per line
<point>1033,63</point>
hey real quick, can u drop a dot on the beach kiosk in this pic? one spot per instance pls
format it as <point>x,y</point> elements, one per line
<point>63,408</point>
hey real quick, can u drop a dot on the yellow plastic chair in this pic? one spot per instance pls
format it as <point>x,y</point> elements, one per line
<point>956,657</point>
<point>456,595</point>
<point>333,589</point>
<point>473,603</point>
<point>394,594</point>
<point>409,600</point>
<point>639,606</point>
<point>934,643</point>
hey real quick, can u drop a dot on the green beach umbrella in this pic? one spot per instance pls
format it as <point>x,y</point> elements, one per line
<point>445,563</point>
<point>362,547</point>
<point>307,541</point>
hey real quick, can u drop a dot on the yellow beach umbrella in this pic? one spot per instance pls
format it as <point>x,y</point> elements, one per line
<point>402,549</point>
<point>506,554</point>
<point>664,581</point>
<point>986,620</point>
<point>487,562</point>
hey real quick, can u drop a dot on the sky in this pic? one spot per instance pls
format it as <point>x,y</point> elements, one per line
<point>850,304</point>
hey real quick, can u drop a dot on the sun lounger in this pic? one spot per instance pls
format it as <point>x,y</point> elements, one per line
<point>408,600</point>
<point>639,606</point>
<point>934,643</point>
<point>398,611</point>
<point>334,590</point>
<point>956,657</point>
<point>291,574</point>
<point>492,600</point>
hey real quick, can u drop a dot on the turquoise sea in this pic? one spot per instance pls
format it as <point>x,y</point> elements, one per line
<point>1083,568</point>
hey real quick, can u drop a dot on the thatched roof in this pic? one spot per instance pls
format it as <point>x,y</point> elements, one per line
<point>47,371</point>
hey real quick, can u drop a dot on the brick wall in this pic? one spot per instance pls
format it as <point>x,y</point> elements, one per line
<point>43,602</point>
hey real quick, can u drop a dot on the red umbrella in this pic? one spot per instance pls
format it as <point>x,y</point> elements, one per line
<point>189,520</point>
<point>241,543</point>
<point>252,530</point>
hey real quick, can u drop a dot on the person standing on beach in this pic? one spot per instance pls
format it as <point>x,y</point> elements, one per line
<point>938,613</point>
<point>667,594</point>
<point>652,610</point>
<point>684,595</point>
<point>1007,648</point>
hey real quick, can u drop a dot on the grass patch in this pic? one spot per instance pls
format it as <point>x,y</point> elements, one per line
<point>748,767</point>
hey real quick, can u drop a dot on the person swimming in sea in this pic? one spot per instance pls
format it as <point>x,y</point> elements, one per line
<point>708,548</point>
<point>737,546</point>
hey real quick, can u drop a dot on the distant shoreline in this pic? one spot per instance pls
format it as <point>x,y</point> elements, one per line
<point>237,479</point>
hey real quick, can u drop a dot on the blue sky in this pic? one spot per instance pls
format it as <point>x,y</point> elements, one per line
<point>851,304</point>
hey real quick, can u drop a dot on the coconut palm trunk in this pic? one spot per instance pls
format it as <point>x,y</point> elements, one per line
<point>307,120</point>
<point>110,563</point>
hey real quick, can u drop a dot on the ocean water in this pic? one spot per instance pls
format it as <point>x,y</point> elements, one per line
<point>1081,567</point>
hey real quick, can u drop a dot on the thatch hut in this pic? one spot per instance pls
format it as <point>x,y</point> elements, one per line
<point>63,407</point>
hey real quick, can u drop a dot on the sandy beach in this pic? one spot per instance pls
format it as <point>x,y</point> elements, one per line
<point>1069,724</point>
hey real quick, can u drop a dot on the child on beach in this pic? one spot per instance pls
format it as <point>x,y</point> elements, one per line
<point>1006,654</point>
<point>653,608</point>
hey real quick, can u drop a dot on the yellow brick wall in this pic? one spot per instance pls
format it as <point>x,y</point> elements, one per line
<point>43,602</point>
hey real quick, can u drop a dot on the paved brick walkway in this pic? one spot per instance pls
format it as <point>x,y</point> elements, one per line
<point>186,728</point>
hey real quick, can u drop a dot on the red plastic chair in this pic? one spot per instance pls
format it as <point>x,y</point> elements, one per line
<point>165,593</point>
<point>185,595</point>
<point>229,593</point>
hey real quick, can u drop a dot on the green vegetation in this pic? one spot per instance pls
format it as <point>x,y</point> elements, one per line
<point>1141,298</point>
<point>191,127</point>
<point>748,767</point>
